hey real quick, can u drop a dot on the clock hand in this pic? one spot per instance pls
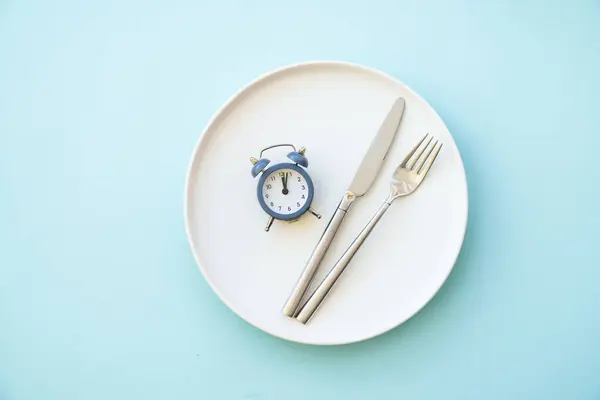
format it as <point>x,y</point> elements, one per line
<point>284,181</point>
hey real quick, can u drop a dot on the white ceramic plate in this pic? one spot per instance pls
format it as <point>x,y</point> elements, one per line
<point>333,109</point>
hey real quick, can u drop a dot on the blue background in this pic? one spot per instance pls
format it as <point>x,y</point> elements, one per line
<point>101,104</point>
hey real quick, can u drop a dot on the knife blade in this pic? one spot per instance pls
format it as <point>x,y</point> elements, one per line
<point>362,181</point>
<point>373,160</point>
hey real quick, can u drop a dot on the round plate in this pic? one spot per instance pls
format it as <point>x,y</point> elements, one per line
<point>333,109</point>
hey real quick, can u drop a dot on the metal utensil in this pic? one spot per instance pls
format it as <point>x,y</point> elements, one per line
<point>407,177</point>
<point>364,177</point>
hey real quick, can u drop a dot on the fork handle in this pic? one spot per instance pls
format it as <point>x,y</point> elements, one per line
<point>325,287</point>
<point>291,306</point>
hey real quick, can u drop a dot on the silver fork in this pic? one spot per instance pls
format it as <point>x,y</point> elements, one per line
<point>405,180</point>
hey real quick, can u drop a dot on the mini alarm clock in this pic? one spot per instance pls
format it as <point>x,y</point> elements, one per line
<point>285,190</point>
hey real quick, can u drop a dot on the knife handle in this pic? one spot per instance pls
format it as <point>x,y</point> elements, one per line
<point>316,299</point>
<point>317,255</point>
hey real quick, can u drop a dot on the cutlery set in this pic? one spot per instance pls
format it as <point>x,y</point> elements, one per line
<point>407,177</point>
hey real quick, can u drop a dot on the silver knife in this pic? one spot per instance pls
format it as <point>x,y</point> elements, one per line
<point>364,177</point>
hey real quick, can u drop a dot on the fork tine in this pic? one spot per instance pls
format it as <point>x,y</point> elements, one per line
<point>411,164</point>
<point>409,155</point>
<point>430,160</point>
<point>422,160</point>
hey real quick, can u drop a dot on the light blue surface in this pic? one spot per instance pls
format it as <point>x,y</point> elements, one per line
<point>101,104</point>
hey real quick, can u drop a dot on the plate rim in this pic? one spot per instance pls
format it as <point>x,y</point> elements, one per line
<point>221,111</point>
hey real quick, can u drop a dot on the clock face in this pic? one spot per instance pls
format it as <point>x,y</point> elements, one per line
<point>286,191</point>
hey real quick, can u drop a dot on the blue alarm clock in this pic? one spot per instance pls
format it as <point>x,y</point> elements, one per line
<point>285,191</point>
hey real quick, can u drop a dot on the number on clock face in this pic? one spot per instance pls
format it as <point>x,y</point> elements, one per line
<point>285,191</point>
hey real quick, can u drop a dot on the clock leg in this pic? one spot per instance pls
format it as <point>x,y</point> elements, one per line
<point>271,219</point>
<point>313,212</point>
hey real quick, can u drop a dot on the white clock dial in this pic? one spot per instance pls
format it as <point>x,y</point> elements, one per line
<point>285,191</point>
